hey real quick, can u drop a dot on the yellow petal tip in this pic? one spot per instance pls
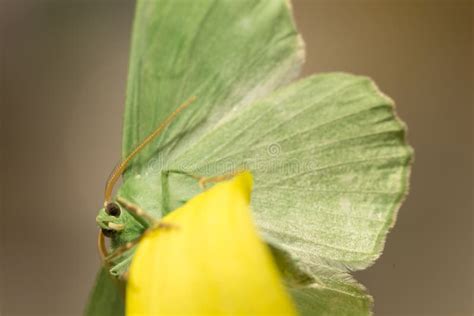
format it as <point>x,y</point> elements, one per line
<point>244,181</point>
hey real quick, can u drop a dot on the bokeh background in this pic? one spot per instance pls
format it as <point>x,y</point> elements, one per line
<point>63,76</point>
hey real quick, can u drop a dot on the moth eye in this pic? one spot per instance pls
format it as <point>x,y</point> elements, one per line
<point>108,232</point>
<point>113,209</point>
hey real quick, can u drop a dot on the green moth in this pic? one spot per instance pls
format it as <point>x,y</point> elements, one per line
<point>328,153</point>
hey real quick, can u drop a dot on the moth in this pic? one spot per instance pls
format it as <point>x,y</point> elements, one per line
<point>329,156</point>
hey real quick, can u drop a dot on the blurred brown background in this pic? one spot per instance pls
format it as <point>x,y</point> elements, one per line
<point>63,75</point>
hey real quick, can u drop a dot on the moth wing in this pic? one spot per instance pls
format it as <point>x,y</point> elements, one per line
<point>331,168</point>
<point>319,290</point>
<point>226,53</point>
<point>330,161</point>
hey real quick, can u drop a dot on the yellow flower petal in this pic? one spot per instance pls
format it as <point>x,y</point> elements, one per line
<point>210,262</point>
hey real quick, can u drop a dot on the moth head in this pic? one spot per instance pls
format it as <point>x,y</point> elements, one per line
<point>110,219</point>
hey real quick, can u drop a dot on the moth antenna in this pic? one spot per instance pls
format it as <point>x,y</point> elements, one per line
<point>102,247</point>
<point>121,167</point>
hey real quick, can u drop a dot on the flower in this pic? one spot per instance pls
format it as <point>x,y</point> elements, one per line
<point>207,259</point>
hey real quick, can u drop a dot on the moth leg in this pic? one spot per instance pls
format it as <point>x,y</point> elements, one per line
<point>165,188</point>
<point>136,210</point>
<point>122,249</point>
<point>139,212</point>
<point>124,276</point>
<point>129,245</point>
<point>202,180</point>
<point>205,180</point>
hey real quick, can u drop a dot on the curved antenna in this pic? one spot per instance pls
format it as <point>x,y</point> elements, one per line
<point>102,247</point>
<point>121,167</point>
